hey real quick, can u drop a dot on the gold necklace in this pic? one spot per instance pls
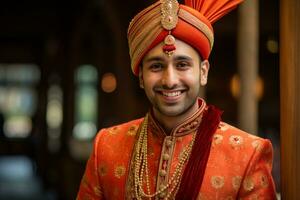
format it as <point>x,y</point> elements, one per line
<point>141,167</point>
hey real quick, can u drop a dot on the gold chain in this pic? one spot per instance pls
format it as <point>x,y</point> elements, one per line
<point>141,167</point>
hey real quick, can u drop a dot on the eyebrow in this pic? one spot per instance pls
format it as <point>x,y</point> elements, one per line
<point>182,57</point>
<point>154,58</point>
<point>176,58</point>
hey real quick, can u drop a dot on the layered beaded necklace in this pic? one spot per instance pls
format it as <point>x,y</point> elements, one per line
<point>141,167</point>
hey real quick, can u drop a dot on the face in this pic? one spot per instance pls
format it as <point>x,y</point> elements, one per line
<point>172,83</point>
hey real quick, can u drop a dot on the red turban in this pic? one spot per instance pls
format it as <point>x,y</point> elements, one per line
<point>194,26</point>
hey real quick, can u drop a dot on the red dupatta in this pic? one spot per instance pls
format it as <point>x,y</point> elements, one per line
<point>196,165</point>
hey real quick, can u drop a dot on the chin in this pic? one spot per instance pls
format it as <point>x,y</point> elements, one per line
<point>172,112</point>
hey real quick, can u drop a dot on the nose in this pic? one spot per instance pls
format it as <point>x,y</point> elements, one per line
<point>169,78</point>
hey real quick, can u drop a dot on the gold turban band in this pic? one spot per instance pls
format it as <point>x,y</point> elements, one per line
<point>194,26</point>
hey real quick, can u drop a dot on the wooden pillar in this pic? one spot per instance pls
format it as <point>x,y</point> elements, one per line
<point>248,41</point>
<point>290,98</point>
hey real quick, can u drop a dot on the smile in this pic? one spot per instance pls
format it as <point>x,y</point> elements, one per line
<point>171,94</point>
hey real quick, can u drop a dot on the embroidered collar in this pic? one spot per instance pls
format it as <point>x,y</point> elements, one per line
<point>187,126</point>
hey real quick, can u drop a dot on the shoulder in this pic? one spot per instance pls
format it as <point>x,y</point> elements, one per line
<point>127,126</point>
<point>119,132</point>
<point>240,145</point>
<point>237,138</point>
<point>245,161</point>
<point>116,142</point>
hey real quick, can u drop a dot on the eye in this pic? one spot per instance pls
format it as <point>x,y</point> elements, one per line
<point>155,67</point>
<point>183,65</point>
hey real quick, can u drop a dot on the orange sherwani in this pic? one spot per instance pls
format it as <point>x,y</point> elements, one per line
<point>239,165</point>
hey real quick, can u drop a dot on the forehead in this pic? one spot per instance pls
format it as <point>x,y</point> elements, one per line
<point>182,49</point>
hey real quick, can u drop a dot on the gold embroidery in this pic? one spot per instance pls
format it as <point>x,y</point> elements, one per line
<point>191,19</point>
<point>113,130</point>
<point>236,182</point>
<point>257,145</point>
<point>236,141</point>
<point>169,11</point>
<point>217,181</point>
<point>264,180</point>
<point>102,170</point>
<point>190,126</point>
<point>120,171</point>
<point>217,139</point>
<point>248,184</point>
<point>98,191</point>
<point>132,130</point>
<point>181,153</point>
<point>223,126</point>
<point>229,198</point>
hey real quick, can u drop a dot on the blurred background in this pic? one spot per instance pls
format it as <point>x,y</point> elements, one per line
<point>65,73</point>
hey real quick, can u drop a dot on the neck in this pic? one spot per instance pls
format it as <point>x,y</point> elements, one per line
<point>170,122</point>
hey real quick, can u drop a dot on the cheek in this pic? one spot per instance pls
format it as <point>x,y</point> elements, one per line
<point>193,77</point>
<point>149,83</point>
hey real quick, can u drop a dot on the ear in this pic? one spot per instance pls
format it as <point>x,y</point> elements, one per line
<point>141,79</point>
<point>204,69</point>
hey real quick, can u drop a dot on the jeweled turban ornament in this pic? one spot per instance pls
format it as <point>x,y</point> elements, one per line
<point>169,19</point>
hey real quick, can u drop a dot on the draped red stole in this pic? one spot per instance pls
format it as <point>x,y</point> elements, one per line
<point>194,172</point>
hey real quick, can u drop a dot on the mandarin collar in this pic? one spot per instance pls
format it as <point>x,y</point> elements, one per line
<point>190,124</point>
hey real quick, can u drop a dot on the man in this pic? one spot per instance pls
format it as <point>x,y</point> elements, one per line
<point>181,149</point>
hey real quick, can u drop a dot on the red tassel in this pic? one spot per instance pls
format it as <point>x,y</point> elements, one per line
<point>194,172</point>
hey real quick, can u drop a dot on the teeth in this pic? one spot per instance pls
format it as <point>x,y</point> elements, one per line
<point>171,94</point>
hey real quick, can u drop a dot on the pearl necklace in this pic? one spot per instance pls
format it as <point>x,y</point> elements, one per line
<point>141,167</point>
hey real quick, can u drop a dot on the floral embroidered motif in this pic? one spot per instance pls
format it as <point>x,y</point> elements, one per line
<point>217,139</point>
<point>132,130</point>
<point>223,126</point>
<point>113,130</point>
<point>236,182</point>
<point>102,170</point>
<point>248,184</point>
<point>217,181</point>
<point>264,181</point>
<point>236,141</point>
<point>120,171</point>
